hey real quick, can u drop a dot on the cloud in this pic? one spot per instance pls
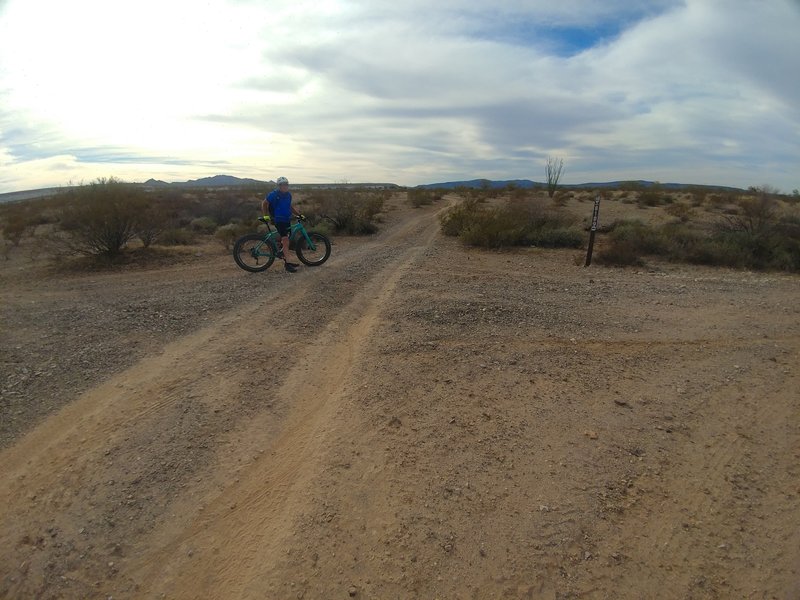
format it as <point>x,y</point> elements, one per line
<point>696,91</point>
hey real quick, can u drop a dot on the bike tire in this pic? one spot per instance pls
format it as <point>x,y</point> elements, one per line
<point>250,250</point>
<point>310,257</point>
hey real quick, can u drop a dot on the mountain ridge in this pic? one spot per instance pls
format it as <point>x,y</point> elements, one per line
<point>527,183</point>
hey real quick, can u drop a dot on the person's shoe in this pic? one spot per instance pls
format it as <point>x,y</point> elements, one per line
<point>290,268</point>
<point>295,265</point>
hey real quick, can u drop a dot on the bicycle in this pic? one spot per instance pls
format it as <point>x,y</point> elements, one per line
<point>256,252</point>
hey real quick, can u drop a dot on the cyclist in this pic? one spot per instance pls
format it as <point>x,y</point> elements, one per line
<point>278,206</point>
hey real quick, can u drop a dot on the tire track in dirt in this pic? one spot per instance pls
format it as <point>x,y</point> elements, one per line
<point>107,457</point>
<point>230,548</point>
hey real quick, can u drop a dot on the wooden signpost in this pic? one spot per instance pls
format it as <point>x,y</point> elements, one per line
<point>595,216</point>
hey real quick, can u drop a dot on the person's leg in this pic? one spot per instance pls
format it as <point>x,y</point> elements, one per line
<point>285,246</point>
<point>283,231</point>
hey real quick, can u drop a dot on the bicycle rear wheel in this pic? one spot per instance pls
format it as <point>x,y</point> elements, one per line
<point>253,254</point>
<point>313,256</point>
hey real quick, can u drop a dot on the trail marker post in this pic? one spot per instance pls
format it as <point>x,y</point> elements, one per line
<point>593,230</point>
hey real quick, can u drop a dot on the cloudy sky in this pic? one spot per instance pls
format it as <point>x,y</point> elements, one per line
<point>693,91</point>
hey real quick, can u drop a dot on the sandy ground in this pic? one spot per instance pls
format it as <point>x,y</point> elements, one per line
<point>411,420</point>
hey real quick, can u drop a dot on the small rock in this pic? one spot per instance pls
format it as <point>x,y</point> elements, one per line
<point>592,435</point>
<point>352,591</point>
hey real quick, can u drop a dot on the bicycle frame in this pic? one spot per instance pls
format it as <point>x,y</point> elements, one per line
<point>271,237</point>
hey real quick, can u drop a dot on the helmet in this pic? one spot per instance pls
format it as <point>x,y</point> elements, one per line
<point>282,180</point>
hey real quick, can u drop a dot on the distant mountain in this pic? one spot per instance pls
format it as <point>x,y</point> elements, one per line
<point>215,181</point>
<point>527,183</point>
<point>224,180</point>
<point>479,183</point>
<point>231,181</point>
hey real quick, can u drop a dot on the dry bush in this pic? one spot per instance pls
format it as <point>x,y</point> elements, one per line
<point>352,212</point>
<point>101,218</point>
<point>228,234</point>
<point>755,239</point>
<point>418,197</point>
<point>516,223</point>
<point>681,211</point>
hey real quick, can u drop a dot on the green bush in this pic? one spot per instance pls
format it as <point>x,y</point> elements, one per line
<point>763,243</point>
<point>557,237</point>
<point>460,217</point>
<point>652,196</point>
<point>681,211</point>
<point>203,225</point>
<point>418,197</point>
<point>228,234</point>
<point>517,223</point>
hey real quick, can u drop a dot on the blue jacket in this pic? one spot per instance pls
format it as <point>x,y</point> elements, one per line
<point>280,205</point>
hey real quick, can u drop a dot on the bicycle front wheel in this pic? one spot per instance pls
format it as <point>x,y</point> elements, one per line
<point>253,254</point>
<point>313,256</point>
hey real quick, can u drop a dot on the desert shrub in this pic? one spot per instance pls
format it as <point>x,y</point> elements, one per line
<point>556,237</point>
<point>459,217</point>
<point>631,186</point>
<point>150,224</point>
<point>517,223</point>
<point>350,212</point>
<point>228,206</point>
<point>520,193</point>
<point>16,223</point>
<point>423,197</point>
<point>101,218</point>
<point>228,234</point>
<point>698,194</point>
<point>646,239</point>
<point>753,215</point>
<point>652,196</point>
<point>203,225</point>
<point>681,211</point>
<point>176,236</point>
<point>620,254</point>
<point>420,197</point>
<point>758,240</point>
<point>560,198</point>
<point>322,226</point>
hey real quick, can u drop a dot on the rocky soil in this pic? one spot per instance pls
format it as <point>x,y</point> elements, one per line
<point>412,420</point>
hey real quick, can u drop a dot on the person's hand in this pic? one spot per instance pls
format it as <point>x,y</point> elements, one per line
<point>264,219</point>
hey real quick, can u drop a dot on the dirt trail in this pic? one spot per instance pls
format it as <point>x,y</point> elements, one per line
<point>59,466</point>
<point>416,420</point>
<point>243,528</point>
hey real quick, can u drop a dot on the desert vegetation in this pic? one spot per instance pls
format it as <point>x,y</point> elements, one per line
<point>516,222</point>
<point>111,221</point>
<point>349,211</point>
<point>756,229</point>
